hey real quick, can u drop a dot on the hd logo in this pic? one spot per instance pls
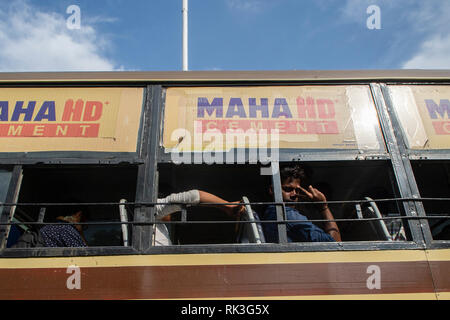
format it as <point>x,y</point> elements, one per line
<point>40,119</point>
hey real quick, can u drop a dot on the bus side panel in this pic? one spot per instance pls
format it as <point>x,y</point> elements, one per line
<point>439,261</point>
<point>353,280</point>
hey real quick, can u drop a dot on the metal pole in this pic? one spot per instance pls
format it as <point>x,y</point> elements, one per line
<point>185,35</point>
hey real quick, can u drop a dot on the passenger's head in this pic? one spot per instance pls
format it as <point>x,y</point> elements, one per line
<point>76,209</point>
<point>81,212</point>
<point>294,177</point>
<point>78,213</point>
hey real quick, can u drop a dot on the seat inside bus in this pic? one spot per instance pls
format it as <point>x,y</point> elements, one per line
<point>374,228</point>
<point>251,232</point>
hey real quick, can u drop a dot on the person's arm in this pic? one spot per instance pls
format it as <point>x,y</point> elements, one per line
<point>193,197</point>
<point>172,203</point>
<point>230,209</point>
<point>330,227</point>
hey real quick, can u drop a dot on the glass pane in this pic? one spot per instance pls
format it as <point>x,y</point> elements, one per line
<point>423,112</point>
<point>5,178</point>
<point>306,117</point>
<point>70,119</point>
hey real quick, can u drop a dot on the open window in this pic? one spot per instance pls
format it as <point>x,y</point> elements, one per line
<point>361,197</point>
<point>93,185</point>
<point>433,181</point>
<point>369,189</point>
<point>229,182</point>
<point>423,112</point>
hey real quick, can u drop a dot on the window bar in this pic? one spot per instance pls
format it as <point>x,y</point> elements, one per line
<point>183,213</point>
<point>41,214</point>
<point>359,211</point>
<point>280,209</point>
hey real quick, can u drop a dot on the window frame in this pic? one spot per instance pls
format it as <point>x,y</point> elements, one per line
<point>5,211</point>
<point>409,155</point>
<point>150,153</point>
<point>80,157</point>
<point>138,158</point>
<point>390,134</point>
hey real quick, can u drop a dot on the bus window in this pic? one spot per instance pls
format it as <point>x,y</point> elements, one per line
<point>78,184</point>
<point>433,181</point>
<point>229,182</point>
<point>305,117</point>
<point>5,179</point>
<point>423,112</point>
<point>355,190</point>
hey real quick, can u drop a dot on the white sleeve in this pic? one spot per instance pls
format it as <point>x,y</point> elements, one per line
<point>188,197</point>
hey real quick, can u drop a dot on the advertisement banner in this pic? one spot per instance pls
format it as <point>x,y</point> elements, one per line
<point>70,119</point>
<point>306,117</point>
<point>424,114</point>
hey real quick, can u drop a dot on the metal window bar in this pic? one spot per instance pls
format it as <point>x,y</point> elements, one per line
<point>359,211</point>
<point>184,213</point>
<point>143,203</point>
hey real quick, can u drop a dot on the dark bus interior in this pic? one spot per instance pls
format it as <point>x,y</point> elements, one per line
<point>229,182</point>
<point>339,180</point>
<point>83,184</point>
<point>433,181</point>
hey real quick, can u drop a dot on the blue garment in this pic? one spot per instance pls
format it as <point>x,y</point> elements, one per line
<point>296,231</point>
<point>14,236</point>
<point>61,236</point>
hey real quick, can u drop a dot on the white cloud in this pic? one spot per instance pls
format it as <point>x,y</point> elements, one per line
<point>32,40</point>
<point>427,22</point>
<point>432,21</point>
<point>433,54</point>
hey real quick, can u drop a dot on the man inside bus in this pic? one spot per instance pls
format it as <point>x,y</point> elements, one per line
<point>62,234</point>
<point>66,234</point>
<point>174,202</point>
<point>296,188</point>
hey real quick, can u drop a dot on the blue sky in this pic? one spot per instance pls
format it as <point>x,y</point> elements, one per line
<point>146,35</point>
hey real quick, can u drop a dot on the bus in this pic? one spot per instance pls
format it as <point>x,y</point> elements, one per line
<point>375,142</point>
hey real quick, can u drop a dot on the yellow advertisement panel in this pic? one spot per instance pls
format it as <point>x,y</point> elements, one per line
<point>304,117</point>
<point>70,119</point>
<point>424,114</point>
